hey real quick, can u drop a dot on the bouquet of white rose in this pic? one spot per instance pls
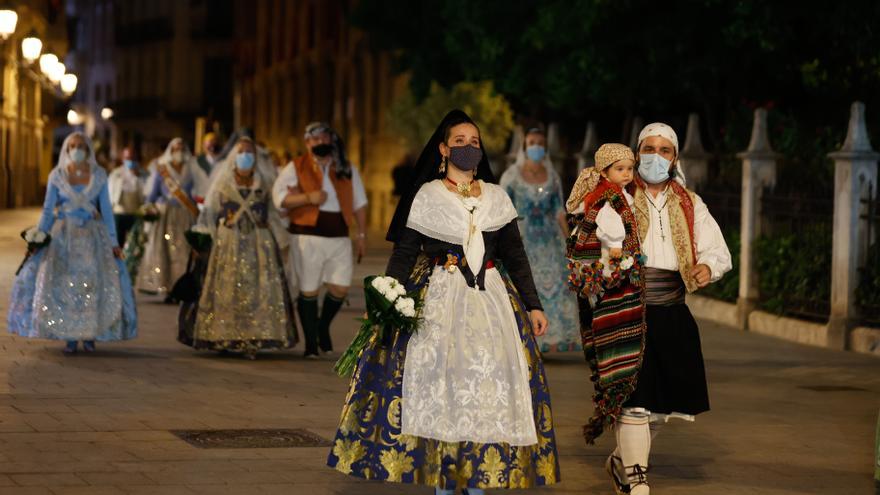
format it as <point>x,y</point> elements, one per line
<point>149,212</point>
<point>388,306</point>
<point>36,239</point>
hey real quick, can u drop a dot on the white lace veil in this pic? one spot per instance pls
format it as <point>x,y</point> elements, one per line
<point>64,157</point>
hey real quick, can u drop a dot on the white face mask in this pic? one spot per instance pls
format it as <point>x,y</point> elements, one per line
<point>177,156</point>
<point>77,155</point>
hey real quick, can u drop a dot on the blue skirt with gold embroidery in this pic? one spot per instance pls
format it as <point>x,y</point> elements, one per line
<point>369,443</point>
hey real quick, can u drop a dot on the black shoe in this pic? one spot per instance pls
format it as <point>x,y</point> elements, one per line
<point>311,355</point>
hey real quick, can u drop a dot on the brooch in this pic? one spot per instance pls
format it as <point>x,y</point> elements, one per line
<point>451,264</point>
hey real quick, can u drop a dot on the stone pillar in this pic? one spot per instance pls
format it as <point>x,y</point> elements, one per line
<point>554,148</point>
<point>855,171</point>
<point>758,173</point>
<point>634,131</point>
<point>694,159</point>
<point>516,143</point>
<point>588,149</point>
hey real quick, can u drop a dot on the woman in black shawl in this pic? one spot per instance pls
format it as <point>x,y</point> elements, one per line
<point>463,402</point>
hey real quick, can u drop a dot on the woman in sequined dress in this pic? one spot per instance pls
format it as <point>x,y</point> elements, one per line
<point>174,187</point>
<point>77,287</point>
<point>536,191</point>
<point>245,305</point>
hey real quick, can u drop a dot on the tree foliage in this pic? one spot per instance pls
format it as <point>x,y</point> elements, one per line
<point>415,120</point>
<point>577,58</point>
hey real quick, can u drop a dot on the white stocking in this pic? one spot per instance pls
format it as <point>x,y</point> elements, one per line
<point>634,445</point>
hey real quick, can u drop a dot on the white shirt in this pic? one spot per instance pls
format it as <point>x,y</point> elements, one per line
<point>660,252</point>
<point>288,178</point>
<point>121,180</point>
<point>609,225</point>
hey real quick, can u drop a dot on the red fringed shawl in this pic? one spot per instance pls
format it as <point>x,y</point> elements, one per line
<point>614,343</point>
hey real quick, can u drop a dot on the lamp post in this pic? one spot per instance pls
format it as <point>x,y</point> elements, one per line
<point>31,48</point>
<point>8,20</point>
<point>68,84</point>
<point>56,73</point>
<point>47,63</point>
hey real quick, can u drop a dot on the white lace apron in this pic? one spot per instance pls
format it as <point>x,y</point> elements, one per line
<point>466,376</point>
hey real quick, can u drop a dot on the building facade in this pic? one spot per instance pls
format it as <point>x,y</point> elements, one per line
<point>300,61</point>
<point>151,69</point>
<point>30,106</point>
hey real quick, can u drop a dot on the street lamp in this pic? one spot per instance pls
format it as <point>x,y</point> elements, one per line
<point>56,73</point>
<point>68,84</point>
<point>74,117</point>
<point>106,113</point>
<point>31,47</point>
<point>8,20</point>
<point>47,63</point>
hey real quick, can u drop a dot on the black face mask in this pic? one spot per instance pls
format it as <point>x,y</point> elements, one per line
<point>322,150</point>
<point>465,157</point>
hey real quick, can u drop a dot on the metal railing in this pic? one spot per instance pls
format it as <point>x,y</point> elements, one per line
<point>868,288</point>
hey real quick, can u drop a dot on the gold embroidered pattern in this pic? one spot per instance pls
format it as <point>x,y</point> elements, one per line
<point>348,453</point>
<point>492,468</point>
<point>681,240</point>
<point>396,463</point>
<point>547,468</point>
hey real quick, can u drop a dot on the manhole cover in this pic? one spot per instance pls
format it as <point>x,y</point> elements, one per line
<point>251,439</point>
<point>833,388</point>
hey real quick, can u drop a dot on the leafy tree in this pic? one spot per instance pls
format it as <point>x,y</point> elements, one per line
<point>606,58</point>
<point>415,121</point>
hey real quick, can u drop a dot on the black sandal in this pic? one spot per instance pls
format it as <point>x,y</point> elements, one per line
<point>620,488</point>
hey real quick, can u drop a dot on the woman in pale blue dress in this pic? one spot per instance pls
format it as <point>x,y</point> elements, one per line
<point>536,191</point>
<point>76,288</point>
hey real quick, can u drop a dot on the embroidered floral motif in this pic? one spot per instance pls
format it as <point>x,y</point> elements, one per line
<point>375,442</point>
<point>547,468</point>
<point>492,467</point>
<point>396,463</point>
<point>348,452</point>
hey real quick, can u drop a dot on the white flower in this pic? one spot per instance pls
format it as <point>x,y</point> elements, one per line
<point>34,235</point>
<point>201,229</point>
<point>385,287</point>
<point>379,283</point>
<point>401,290</point>
<point>626,262</point>
<point>406,306</point>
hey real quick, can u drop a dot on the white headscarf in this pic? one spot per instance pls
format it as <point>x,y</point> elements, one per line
<point>165,158</point>
<point>222,178</point>
<point>60,175</point>
<point>190,167</point>
<point>662,130</point>
<point>515,169</point>
<point>64,158</point>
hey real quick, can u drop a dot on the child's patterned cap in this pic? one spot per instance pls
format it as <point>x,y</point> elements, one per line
<point>609,153</point>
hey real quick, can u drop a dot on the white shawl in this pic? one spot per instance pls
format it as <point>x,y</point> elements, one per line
<point>444,215</point>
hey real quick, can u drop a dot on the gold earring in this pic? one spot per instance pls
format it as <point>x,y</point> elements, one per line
<point>443,165</point>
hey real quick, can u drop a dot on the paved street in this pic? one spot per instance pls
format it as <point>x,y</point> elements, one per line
<point>786,419</point>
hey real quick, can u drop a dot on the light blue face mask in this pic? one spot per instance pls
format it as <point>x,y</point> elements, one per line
<point>654,168</point>
<point>536,152</point>
<point>245,161</point>
<point>78,155</point>
<point>129,164</point>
